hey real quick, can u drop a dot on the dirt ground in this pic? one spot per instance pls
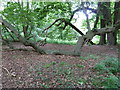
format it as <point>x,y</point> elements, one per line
<point>28,69</point>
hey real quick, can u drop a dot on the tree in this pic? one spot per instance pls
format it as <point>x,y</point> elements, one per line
<point>107,19</point>
<point>64,22</point>
<point>103,8</point>
<point>116,19</point>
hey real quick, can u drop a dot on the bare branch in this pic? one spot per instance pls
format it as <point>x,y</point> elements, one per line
<point>52,24</point>
<point>87,19</point>
<point>91,9</point>
<point>63,20</point>
<point>97,16</point>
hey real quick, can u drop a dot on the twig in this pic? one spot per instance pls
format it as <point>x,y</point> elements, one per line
<point>6,70</point>
<point>10,74</point>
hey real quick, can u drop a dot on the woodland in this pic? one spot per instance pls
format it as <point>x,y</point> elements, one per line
<point>43,48</point>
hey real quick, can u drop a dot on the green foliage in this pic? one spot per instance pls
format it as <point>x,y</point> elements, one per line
<point>39,73</point>
<point>100,67</point>
<point>91,56</point>
<point>44,86</point>
<point>68,71</point>
<point>49,64</point>
<point>96,39</point>
<point>83,58</point>
<point>58,41</point>
<point>81,81</point>
<point>110,66</point>
<point>38,16</point>
<point>80,66</point>
<point>111,82</point>
<point>62,63</point>
<point>106,82</point>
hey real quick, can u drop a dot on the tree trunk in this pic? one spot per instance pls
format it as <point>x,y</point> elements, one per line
<point>102,36</point>
<point>25,29</point>
<point>112,37</point>
<point>102,9</point>
<point>75,52</point>
<point>116,19</point>
<point>88,37</point>
<point>105,22</point>
<point>102,39</point>
<point>22,39</point>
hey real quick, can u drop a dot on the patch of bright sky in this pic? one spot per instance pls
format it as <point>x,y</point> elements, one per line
<point>80,17</point>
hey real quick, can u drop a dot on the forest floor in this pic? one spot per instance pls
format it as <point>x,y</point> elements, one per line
<point>28,69</point>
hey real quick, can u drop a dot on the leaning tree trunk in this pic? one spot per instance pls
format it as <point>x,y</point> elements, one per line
<point>84,39</point>
<point>77,49</point>
<point>22,39</point>
<point>88,37</point>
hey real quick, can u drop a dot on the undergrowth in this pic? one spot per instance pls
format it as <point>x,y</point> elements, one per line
<point>109,66</point>
<point>61,74</point>
<point>91,56</point>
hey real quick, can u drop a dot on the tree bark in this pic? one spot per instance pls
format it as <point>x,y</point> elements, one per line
<point>110,36</point>
<point>116,19</point>
<point>102,36</point>
<point>103,13</point>
<point>22,39</point>
<point>88,37</point>
<point>76,50</point>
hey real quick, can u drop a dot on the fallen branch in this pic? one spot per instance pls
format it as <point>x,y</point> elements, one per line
<point>10,74</point>
<point>6,70</point>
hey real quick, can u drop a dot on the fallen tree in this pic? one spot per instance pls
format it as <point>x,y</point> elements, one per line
<point>76,50</point>
<point>22,39</point>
